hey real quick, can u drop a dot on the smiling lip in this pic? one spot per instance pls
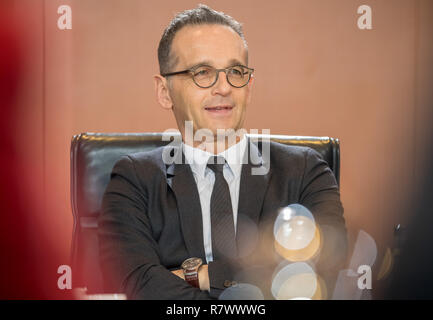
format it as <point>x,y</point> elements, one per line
<point>222,110</point>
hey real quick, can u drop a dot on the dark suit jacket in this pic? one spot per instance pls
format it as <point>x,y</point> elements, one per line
<point>151,221</point>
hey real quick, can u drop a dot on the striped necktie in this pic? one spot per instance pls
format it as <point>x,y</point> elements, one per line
<point>221,212</point>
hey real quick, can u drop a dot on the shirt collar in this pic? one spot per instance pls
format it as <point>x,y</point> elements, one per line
<point>198,158</point>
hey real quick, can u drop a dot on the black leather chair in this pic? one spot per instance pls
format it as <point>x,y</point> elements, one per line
<point>93,156</point>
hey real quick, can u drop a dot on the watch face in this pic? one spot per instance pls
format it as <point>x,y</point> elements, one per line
<point>191,263</point>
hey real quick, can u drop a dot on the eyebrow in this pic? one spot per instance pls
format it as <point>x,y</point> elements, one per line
<point>232,62</point>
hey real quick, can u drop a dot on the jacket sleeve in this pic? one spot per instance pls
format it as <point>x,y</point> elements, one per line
<point>129,255</point>
<point>320,194</point>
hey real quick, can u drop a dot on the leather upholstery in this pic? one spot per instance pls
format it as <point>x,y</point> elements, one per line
<point>93,156</point>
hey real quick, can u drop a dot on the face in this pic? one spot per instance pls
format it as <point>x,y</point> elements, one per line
<point>217,46</point>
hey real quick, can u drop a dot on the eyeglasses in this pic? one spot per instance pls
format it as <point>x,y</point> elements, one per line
<point>207,76</point>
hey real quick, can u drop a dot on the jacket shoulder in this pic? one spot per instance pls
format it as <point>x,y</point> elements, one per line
<point>142,162</point>
<point>282,152</point>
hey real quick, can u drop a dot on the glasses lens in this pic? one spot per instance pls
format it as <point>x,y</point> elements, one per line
<point>204,76</point>
<point>238,76</point>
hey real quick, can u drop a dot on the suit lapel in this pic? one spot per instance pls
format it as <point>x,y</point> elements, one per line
<point>251,195</point>
<point>181,181</point>
<point>253,186</point>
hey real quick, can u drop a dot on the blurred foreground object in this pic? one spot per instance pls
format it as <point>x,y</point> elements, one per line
<point>29,261</point>
<point>412,276</point>
<point>81,294</point>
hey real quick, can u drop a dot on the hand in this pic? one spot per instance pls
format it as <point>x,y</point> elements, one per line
<point>179,273</point>
<point>203,276</point>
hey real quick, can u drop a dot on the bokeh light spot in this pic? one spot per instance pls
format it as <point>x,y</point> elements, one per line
<point>294,227</point>
<point>296,281</point>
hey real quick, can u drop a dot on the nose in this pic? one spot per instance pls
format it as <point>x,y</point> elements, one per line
<point>222,86</point>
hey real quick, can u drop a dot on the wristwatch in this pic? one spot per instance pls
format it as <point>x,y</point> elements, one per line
<point>190,271</point>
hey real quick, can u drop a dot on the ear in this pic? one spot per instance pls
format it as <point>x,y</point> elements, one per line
<point>250,86</point>
<point>162,92</point>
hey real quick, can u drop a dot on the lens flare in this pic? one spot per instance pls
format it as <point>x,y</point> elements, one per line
<point>297,238</point>
<point>294,227</point>
<point>242,291</point>
<point>296,281</point>
<point>387,265</point>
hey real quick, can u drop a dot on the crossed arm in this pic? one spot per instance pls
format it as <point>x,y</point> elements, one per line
<point>203,276</point>
<point>130,255</point>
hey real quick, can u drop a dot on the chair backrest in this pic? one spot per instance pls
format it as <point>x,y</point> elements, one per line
<point>93,156</point>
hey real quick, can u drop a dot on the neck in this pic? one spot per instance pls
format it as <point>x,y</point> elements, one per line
<point>216,144</point>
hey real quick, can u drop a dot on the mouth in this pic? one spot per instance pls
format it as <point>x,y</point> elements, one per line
<point>219,110</point>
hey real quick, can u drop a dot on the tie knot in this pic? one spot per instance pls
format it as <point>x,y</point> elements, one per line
<point>216,163</point>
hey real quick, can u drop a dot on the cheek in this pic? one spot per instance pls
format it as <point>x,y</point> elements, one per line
<point>242,99</point>
<point>195,99</point>
<point>183,97</point>
<point>190,103</point>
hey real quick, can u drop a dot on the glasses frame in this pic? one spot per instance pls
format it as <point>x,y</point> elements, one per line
<point>225,70</point>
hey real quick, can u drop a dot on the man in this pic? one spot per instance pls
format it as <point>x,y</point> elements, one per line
<point>157,213</point>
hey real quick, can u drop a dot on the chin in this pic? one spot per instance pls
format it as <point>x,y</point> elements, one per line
<point>214,127</point>
<point>228,128</point>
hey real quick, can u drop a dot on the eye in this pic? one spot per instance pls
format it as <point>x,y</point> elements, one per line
<point>202,72</point>
<point>237,71</point>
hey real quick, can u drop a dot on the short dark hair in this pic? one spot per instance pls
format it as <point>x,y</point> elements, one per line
<point>197,16</point>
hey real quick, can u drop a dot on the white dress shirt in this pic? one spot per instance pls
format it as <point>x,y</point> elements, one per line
<point>205,179</point>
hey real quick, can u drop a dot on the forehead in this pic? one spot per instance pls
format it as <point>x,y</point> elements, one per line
<point>212,43</point>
